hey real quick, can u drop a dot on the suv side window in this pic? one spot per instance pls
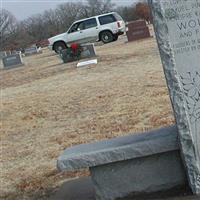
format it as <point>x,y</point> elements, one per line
<point>76,27</point>
<point>90,23</point>
<point>107,19</point>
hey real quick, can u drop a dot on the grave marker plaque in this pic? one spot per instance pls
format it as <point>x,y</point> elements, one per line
<point>177,27</point>
<point>32,50</point>
<point>12,61</point>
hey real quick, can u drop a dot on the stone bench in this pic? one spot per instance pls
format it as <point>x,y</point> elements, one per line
<point>147,162</point>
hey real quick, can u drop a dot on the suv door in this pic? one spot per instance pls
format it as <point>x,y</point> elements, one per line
<point>84,31</point>
<point>75,32</point>
<point>91,30</point>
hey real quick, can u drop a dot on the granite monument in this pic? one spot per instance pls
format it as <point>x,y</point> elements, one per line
<point>177,27</point>
<point>12,61</point>
<point>137,30</point>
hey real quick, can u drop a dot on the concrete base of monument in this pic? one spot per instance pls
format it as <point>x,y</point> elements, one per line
<point>13,66</point>
<point>159,172</point>
<point>83,189</point>
<point>78,189</point>
<point>134,164</point>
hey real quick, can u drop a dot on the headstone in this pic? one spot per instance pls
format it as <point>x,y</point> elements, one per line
<point>12,61</point>
<point>177,27</point>
<point>32,50</point>
<point>89,62</point>
<point>88,51</point>
<point>16,52</point>
<point>1,64</point>
<point>137,30</point>
<point>2,54</point>
<point>8,53</point>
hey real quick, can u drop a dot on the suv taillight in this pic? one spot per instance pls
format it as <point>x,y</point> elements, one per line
<point>119,24</point>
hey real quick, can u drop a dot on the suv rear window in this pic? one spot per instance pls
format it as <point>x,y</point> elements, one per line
<point>118,17</point>
<point>107,19</point>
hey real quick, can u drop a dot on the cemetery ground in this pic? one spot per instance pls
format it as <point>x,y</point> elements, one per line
<point>48,106</point>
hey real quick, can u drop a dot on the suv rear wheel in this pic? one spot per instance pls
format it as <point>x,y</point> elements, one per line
<point>59,46</point>
<point>106,37</point>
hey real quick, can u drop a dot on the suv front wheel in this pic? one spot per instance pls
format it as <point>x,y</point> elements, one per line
<point>59,46</point>
<point>106,37</point>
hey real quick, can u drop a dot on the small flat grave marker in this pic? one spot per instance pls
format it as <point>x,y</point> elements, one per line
<point>177,27</point>
<point>89,62</point>
<point>12,61</point>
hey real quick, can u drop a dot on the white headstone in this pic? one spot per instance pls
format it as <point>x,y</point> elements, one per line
<point>177,27</point>
<point>89,62</point>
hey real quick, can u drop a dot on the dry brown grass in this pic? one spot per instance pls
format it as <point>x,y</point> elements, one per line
<point>48,106</point>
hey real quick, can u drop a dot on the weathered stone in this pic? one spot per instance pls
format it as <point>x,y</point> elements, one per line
<point>77,189</point>
<point>119,149</point>
<point>159,172</point>
<point>177,27</point>
<point>148,162</point>
<point>12,61</point>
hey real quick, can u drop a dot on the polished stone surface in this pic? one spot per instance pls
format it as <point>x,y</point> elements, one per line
<point>12,61</point>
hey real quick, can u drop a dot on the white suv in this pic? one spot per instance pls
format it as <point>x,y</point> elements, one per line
<point>105,28</point>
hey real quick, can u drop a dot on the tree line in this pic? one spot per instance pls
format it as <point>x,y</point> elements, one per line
<point>16,34</point>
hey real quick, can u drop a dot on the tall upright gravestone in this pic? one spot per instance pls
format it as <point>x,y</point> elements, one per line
<point>177,27</point>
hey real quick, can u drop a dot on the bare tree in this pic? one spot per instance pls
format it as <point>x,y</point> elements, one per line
<point>67,13</point>
<point>97,7</point>
<point>35,27</point>
<point>143,11</point>
<point>8,27</point>
<point>51,23</point>
<point>128,13</point>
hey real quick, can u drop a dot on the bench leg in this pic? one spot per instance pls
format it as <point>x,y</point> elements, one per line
<point>143,175</point>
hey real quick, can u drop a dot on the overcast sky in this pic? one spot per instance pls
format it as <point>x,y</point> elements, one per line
<point>25,8</point>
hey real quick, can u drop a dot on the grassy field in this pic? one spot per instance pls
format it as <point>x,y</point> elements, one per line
<point>47,106</point>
